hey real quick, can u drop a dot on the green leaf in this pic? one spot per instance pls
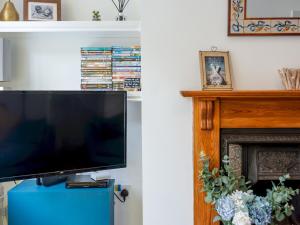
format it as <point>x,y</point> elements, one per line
<point>280,217</point>
<point>208,198</point>
<point>215,171</point>
<point>288,210</point>
<point>278,198</point>
<point>225,180</point>
<point>216,219</point>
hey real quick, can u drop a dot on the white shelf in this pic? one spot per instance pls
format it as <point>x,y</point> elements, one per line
<point>131,28</point>
<point>134,96</point>
<point>131,99</point>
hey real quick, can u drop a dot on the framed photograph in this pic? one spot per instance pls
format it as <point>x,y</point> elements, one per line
<point>42,10</point>
<point>215,70</point>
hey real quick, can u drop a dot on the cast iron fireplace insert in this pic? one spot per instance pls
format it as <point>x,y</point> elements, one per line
<point>262,155</point>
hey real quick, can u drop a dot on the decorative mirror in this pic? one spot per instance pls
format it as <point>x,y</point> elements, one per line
<point>264,17</point>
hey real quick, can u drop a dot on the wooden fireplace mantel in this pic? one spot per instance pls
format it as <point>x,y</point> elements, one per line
<point>241,94</point>
<point>214,110</point>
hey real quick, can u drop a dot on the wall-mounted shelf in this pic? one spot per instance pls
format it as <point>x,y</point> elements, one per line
<point>126,28</point>
<point>134,97</point>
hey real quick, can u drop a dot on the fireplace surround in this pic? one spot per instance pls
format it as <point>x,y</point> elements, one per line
<point>221,116</point>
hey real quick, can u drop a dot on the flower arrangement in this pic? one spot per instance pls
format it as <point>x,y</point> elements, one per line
<point>235,202</point>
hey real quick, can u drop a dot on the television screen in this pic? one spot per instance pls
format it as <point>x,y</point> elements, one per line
<point>50,133</point>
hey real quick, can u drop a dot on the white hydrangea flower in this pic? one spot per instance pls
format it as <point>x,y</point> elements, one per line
<point>240,199</point>
<point>241,218</point>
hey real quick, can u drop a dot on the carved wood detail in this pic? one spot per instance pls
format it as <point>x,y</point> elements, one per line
<point>203,109</point>
<point>207,112</point>
<point>209,119</point>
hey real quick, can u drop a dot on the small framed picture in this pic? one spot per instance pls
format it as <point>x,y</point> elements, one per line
<point>42,10</point>
<point>215,70</point>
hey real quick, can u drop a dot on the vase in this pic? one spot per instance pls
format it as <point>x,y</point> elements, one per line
<point>121,17</point>
<point>9,12</point>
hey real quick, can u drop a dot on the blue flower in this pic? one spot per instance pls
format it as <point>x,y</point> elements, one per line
<point>225,208</point>
<point>260,211</point>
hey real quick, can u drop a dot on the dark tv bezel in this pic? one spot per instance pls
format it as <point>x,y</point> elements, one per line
<point>82,170</point>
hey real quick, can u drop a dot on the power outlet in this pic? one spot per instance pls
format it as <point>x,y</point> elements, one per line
<point>123,191</point>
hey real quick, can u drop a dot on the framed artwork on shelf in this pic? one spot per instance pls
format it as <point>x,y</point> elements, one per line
<point>215,70</point>
<point>42,10</point>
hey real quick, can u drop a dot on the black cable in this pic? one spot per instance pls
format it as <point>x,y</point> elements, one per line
<point>119,198</point>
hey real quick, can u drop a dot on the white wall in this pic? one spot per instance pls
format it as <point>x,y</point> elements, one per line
<point>172,34</point>
<point>82,9</point>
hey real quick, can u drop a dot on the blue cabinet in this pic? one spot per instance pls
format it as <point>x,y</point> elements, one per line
<point>37,205</point>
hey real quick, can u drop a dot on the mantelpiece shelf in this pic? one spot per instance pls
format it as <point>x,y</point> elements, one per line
<point>106,27</point>
<point>242,94</point>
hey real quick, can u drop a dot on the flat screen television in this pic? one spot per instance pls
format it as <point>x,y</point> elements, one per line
<point>45,133</point>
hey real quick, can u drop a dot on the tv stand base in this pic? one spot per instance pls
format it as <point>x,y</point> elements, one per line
<point>49,181</point>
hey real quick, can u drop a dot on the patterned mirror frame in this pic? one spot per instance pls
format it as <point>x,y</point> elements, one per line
<point>239,24</point>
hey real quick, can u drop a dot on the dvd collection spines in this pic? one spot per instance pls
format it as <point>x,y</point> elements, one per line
<point>99,87</point>
<point>126,63</point>
<point>96,68</point>
<point>96,74</point>
<point>111,68</point>
<point>126,68</point>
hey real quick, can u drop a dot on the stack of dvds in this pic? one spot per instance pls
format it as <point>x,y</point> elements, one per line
<point>126,68</point>
<point>96,69</point>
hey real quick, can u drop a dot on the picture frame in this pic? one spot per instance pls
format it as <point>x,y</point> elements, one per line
<point>42,10</point>
<point>240,23</point>
<point>215,70</point>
